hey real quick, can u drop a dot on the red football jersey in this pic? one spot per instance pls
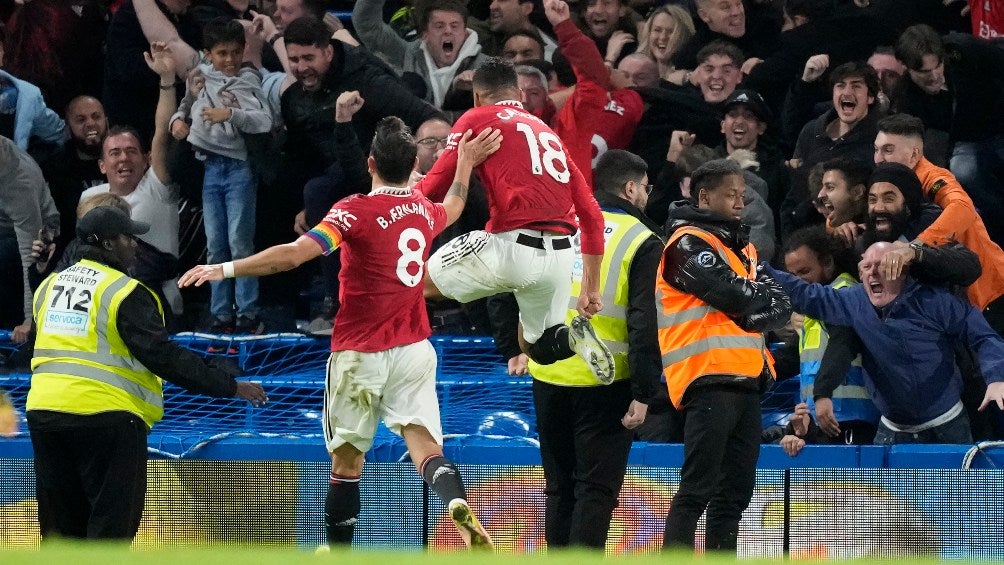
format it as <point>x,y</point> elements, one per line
<point>385,237</point>
<point>530,182</point>
<point>597,116</point>
<point>594,121</point>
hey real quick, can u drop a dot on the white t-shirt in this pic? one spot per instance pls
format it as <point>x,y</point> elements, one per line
<point>155,203</point>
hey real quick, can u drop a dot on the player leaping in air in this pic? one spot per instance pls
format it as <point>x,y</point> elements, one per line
<point>537,200</point>
<point>382,365</point>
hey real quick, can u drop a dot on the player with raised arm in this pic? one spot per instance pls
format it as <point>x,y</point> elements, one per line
<point>382,365</point>
<point>537,200</point>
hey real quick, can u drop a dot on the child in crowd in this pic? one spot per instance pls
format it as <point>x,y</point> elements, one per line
<point>214,116</point>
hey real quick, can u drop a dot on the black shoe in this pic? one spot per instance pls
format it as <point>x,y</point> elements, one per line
<point>219,326</point>
<point>249,326</point>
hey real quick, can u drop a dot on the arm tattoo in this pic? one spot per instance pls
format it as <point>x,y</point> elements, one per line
<point>459,190</point>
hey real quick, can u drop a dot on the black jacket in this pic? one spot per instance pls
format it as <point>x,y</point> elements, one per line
<point>692,266</point>
<point>829,36</point>
<point>310,115</point>
<point>763,30</point>
<point>972,108</point>
<point>815,146</point>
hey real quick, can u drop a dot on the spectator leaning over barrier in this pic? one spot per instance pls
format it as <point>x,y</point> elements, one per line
<point>907,331</point>
<point>901,140</point>
<point>713,308</point>
<point>445,56</point>
<point>382,365</point>
<point>100,351</point>
<point>585,428</point>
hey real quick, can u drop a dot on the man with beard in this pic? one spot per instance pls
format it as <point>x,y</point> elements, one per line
<point>324,68</point>
<point>895,214</point>
<point>74,168</point>
<point>445,56</point>
<point>908,335</point>
<point>901,140</point>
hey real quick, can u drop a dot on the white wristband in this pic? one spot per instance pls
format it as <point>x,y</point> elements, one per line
<point>228,270</point>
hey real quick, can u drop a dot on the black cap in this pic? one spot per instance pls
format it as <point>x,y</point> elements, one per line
<point>903,178</point>
<point>752,100</point>
<point>106,222</point>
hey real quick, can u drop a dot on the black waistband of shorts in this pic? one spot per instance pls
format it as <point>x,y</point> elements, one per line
<point>538,242</point>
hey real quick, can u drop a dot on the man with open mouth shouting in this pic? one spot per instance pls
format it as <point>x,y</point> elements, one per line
<point>908,331</point>
<point>445,56</point>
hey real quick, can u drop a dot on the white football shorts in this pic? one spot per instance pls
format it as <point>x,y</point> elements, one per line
<point>397,385</point>
<point>536,266</point>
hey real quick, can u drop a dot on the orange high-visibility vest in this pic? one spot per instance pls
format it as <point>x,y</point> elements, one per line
<point>696,339</point>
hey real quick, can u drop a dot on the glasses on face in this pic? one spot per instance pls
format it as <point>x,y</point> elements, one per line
<point>432,141</point>
<point>647,188</point>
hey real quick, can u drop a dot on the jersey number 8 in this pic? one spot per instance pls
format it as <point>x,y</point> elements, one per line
<point>411,256</point>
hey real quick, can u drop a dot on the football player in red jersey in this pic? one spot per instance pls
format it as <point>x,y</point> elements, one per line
<point>537,200</point>
<point>382,365</point>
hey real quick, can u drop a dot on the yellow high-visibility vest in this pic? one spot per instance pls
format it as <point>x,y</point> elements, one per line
<point>81,365</point>
<point>623,235</point>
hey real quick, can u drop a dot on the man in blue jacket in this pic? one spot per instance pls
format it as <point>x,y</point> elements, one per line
<point>908,330</point>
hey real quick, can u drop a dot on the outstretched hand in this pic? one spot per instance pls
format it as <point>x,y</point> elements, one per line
<point>252,392</point>
<point>160,59</point>
<point>995,393</point>
<point>200,274</point>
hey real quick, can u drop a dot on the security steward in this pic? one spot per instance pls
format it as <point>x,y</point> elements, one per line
<point>95,388</point>
<point>713,307</point>
<point>585,428</point>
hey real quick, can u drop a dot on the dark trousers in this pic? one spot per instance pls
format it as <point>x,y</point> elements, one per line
<point>584,449</point>
<point>319,194</point>
<point>721,444</point>
<point>90,481</point>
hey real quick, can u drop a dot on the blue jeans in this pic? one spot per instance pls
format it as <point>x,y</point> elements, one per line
<point>956,430</point>
<point>228,208</point>
<point>978,166</point>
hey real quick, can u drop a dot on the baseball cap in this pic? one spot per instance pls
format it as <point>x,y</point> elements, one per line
<point>106,222</point>
<point>752,100</point>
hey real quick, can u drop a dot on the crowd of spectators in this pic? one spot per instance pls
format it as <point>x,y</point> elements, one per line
<point>805,94</point>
